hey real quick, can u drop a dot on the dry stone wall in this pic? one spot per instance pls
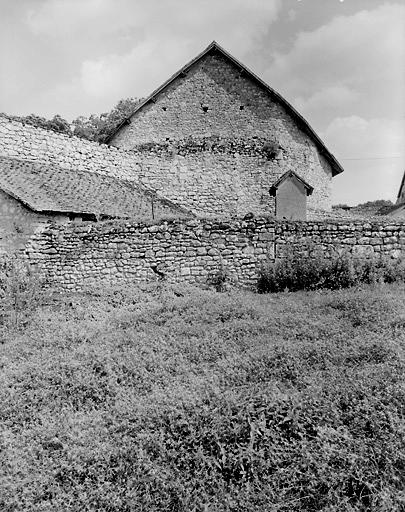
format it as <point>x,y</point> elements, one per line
<point>196,251</point>
<point>360,238</point>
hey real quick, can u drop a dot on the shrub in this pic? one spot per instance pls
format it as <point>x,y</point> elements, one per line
<point>313,273</point>
<point>271,149</point>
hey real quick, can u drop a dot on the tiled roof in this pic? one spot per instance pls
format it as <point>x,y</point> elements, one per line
<point>50,188</point>
<point>401,192</point>
<point>398,210</point>
<point>291,174</point>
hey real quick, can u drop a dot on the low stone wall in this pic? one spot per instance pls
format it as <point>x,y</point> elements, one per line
<point>359,238</point>
<point>109,253</point>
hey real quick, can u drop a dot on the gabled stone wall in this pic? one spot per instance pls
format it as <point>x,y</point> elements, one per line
<point>214,125</point>
<point>227,174</point>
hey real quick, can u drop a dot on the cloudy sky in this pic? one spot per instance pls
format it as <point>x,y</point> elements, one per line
<point>341,63</point>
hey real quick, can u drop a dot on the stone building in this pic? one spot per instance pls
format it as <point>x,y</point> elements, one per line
<point>33,195</point>
<point>398,210</point>
<point>401,192</point>
<point>216,138</point>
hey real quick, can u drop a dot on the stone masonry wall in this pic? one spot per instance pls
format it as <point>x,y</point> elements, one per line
<point>109,253</point>
<point>217,172</point>
<point>18,223</point>
<point>27,142</point>
<point>213,123</point>
<point>359,238</point>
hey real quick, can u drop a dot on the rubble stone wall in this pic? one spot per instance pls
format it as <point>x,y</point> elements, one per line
<point>220,118</point>
<point>196,251</point>
<point>26,142</point>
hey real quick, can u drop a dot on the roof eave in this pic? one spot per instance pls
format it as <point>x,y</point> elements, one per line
<point>57,210</point>
<point>287,174</point>
<point>401,187</point>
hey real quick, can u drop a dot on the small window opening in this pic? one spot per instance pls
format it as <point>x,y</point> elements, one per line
<point>205,108</point>
<point>164,108</point>
<point>242,107</point>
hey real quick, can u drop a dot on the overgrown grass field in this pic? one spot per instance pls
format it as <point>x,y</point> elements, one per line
<point>172,398</point>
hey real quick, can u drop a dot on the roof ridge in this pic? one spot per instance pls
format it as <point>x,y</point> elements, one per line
<point>292,173</point>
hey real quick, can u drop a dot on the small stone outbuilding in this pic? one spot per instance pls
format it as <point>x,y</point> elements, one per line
<point>291,193</point>
<point>34,194</point>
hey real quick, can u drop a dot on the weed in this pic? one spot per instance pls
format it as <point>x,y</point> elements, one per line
<point>314,273</point>
<point>20,288</point>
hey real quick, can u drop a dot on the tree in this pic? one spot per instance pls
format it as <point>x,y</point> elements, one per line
<point>94,127</point>
<point>100,127</point>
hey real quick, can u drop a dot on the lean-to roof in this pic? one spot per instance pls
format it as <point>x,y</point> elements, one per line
<point>51,188</point>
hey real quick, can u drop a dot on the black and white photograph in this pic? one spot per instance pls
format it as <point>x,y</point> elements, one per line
<point>202,255</point>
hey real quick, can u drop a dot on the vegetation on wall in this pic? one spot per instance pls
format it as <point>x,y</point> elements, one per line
<point>56,124</point>
<point>377,207</point>
<point>100,127</point>
<point>96,127</point>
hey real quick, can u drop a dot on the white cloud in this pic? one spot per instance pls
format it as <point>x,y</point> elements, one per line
<point>363,53</point>
<point>135,73</point>
<point>355,137</point>
<point>335,96</point>
<point>66,17</point>
<point>160,37</point>
<point>348,78</point>
<point>372,153</point>
<point>239,21</point>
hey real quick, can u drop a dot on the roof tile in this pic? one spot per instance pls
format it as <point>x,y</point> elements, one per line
<point>51,188</point>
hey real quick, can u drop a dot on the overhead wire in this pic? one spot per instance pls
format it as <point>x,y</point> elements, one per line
<point>373,158</point>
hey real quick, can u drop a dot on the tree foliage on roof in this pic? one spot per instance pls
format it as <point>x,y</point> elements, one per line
<point>56,124</point>
<point>99,127</point>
